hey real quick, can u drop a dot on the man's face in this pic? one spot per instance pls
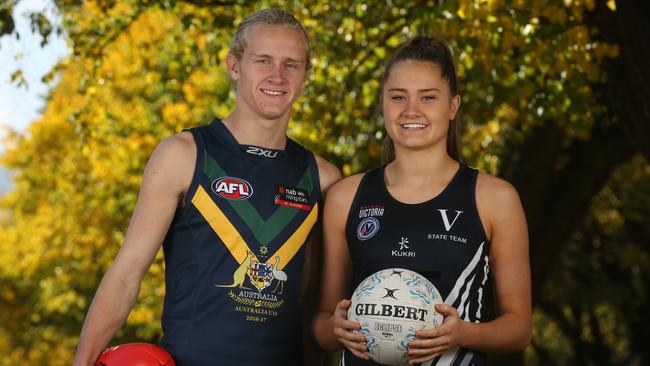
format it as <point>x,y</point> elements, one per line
<point>271,71</point>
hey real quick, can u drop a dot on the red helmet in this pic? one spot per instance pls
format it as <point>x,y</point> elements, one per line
<point>135,354</point>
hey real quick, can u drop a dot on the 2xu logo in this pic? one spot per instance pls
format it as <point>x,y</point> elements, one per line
<point>254,150</point>
<point>232,188</point>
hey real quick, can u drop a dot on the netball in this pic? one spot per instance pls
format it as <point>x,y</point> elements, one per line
<point>391,305</point>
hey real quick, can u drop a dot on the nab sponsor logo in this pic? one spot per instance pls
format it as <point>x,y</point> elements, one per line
<point>367,228</point>
<point>232,188</point>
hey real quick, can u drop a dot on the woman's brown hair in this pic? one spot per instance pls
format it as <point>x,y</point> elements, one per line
<point>436,50</point>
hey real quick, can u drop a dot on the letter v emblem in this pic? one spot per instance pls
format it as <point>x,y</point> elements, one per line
<point>445,219</point>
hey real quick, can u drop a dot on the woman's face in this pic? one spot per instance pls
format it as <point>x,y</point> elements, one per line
<point>418,105</point>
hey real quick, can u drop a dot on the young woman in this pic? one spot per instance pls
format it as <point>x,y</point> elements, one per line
<point>425,211</point>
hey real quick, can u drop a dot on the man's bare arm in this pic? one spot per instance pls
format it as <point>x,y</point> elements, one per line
<point>166,178</point>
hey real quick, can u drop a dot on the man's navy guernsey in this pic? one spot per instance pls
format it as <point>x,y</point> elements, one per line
<point>442,239</point>
<point>234,254</point>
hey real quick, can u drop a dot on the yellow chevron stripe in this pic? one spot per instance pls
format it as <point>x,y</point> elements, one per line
<point>236,244</point>
<point>221,225</point>
<point>297,239</point>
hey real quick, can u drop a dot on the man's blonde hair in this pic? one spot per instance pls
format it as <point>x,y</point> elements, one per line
<point>269,17</point>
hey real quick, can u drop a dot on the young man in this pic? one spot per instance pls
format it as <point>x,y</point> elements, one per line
<point>233,203</point>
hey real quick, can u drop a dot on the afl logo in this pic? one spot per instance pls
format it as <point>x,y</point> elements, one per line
<point>367,228</point>
<point>232,188</point>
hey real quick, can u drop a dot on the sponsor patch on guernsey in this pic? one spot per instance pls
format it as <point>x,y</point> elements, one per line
<point>232,188</point>
<point>291,197</point>
<point>367,228</point>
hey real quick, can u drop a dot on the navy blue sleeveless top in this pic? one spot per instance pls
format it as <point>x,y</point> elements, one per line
<point>234,254</point>
<point>442,239</point>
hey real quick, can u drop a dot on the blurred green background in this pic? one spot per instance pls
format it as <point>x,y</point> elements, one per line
<point>556,100</point>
